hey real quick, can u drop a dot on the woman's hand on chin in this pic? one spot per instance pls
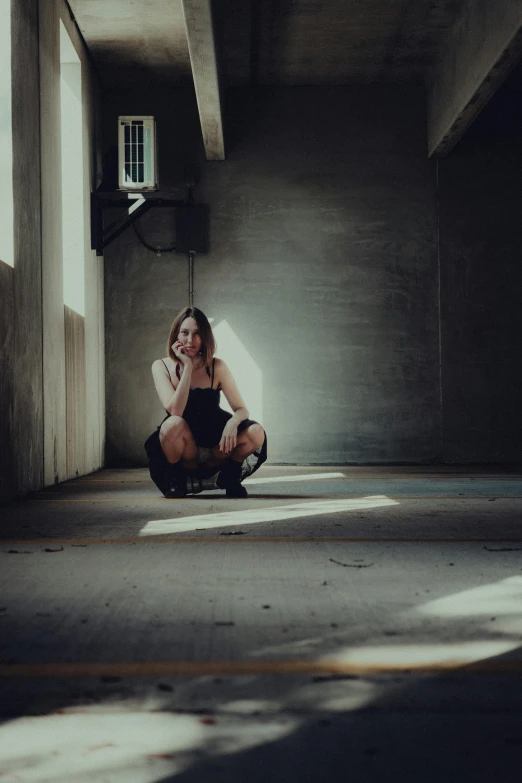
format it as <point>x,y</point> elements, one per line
<point>179,353</point>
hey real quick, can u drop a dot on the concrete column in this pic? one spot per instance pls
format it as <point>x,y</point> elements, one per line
<point>26,406</point>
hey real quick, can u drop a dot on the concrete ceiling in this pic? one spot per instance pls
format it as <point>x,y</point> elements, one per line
<point>134,41</point>
<point>285,42</point>
<point>460,50</point>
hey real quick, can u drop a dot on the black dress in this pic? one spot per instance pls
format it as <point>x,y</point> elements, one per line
<point>206,421</point>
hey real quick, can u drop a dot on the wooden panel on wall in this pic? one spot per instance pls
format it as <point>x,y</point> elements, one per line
<point>74,325</point>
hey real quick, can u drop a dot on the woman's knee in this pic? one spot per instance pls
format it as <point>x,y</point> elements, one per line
<point>173,428</point>
<point>256,434</point>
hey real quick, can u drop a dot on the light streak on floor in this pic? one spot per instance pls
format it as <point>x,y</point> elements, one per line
<point>280,479</point>
<point>253,516</point>
<point>501,598</point>
<point>423,655</point>
<point>122,744</point>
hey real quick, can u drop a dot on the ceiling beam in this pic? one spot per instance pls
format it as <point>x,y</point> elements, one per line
<point>200,38</point>
<point>482,47</point>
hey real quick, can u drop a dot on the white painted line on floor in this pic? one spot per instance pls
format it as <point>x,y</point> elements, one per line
<point>253,516</point>
<point>303,477</point>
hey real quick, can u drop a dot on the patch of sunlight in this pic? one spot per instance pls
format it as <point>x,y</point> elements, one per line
<point>333,695</point>
<point>498,598</point>
<point>83,747</point>
<point>412,655</point>
<point>290,649</point>
<point>324,695</point>
<point>247,374</point>
<point>73,231</point>
<point>6,138</point>
<point>507,624</point>
<point>246,733</point>
<point>86,743</point>
<point>249,706</point>
<point>305,477</point>
<point>258,515</point>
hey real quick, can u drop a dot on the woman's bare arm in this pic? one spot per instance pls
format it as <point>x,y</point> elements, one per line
<point>174,400</point>
<point>231,392</point>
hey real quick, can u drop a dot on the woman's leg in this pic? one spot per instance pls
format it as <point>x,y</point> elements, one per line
<point>247,442</point>
<point>230,474</point>
<point>177,442</point>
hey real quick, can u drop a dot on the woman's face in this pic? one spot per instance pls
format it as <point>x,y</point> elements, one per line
<point>189,336</point>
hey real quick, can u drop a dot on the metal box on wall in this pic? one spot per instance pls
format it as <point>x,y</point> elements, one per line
<point>137,155</point>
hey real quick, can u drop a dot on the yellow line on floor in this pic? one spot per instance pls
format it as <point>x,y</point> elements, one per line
<point>225,539</point>
<point>241,667</point>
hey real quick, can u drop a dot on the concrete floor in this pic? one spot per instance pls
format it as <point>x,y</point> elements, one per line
<point>361,625</point>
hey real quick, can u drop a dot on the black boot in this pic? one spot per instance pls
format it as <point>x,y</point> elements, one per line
<point>177,485</point>
<point>230,479</point>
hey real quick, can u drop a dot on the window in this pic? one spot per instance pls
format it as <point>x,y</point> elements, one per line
<point>73,236</point>
<point>6,138</point>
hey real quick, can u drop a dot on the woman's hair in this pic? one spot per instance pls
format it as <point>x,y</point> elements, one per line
<point>208,343</point>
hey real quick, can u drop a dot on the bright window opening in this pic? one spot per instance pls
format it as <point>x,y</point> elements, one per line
<point>73,237</point>
<point>6,138</point>
<point>246,372</point>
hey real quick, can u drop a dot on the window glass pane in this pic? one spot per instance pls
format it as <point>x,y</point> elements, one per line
<point>6,137</point>
<point>73,227</point>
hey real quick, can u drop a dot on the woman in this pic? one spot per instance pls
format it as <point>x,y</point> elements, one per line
<point>197,437</point>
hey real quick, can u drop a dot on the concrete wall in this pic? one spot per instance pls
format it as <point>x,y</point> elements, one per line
<point>21,414</point>
<point>143,291</point>
<point>480,187</point>
<point>33,422</point>
<point>323,262</point>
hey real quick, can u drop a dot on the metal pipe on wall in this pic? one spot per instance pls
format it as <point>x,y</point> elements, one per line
<point>191,278</point>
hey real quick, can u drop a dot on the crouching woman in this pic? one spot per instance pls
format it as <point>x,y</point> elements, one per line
<point>198,438</point>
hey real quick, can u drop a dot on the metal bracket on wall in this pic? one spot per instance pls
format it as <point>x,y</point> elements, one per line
<point>135,204</point>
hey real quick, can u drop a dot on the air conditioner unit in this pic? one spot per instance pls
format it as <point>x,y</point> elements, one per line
<point>137,159</point>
